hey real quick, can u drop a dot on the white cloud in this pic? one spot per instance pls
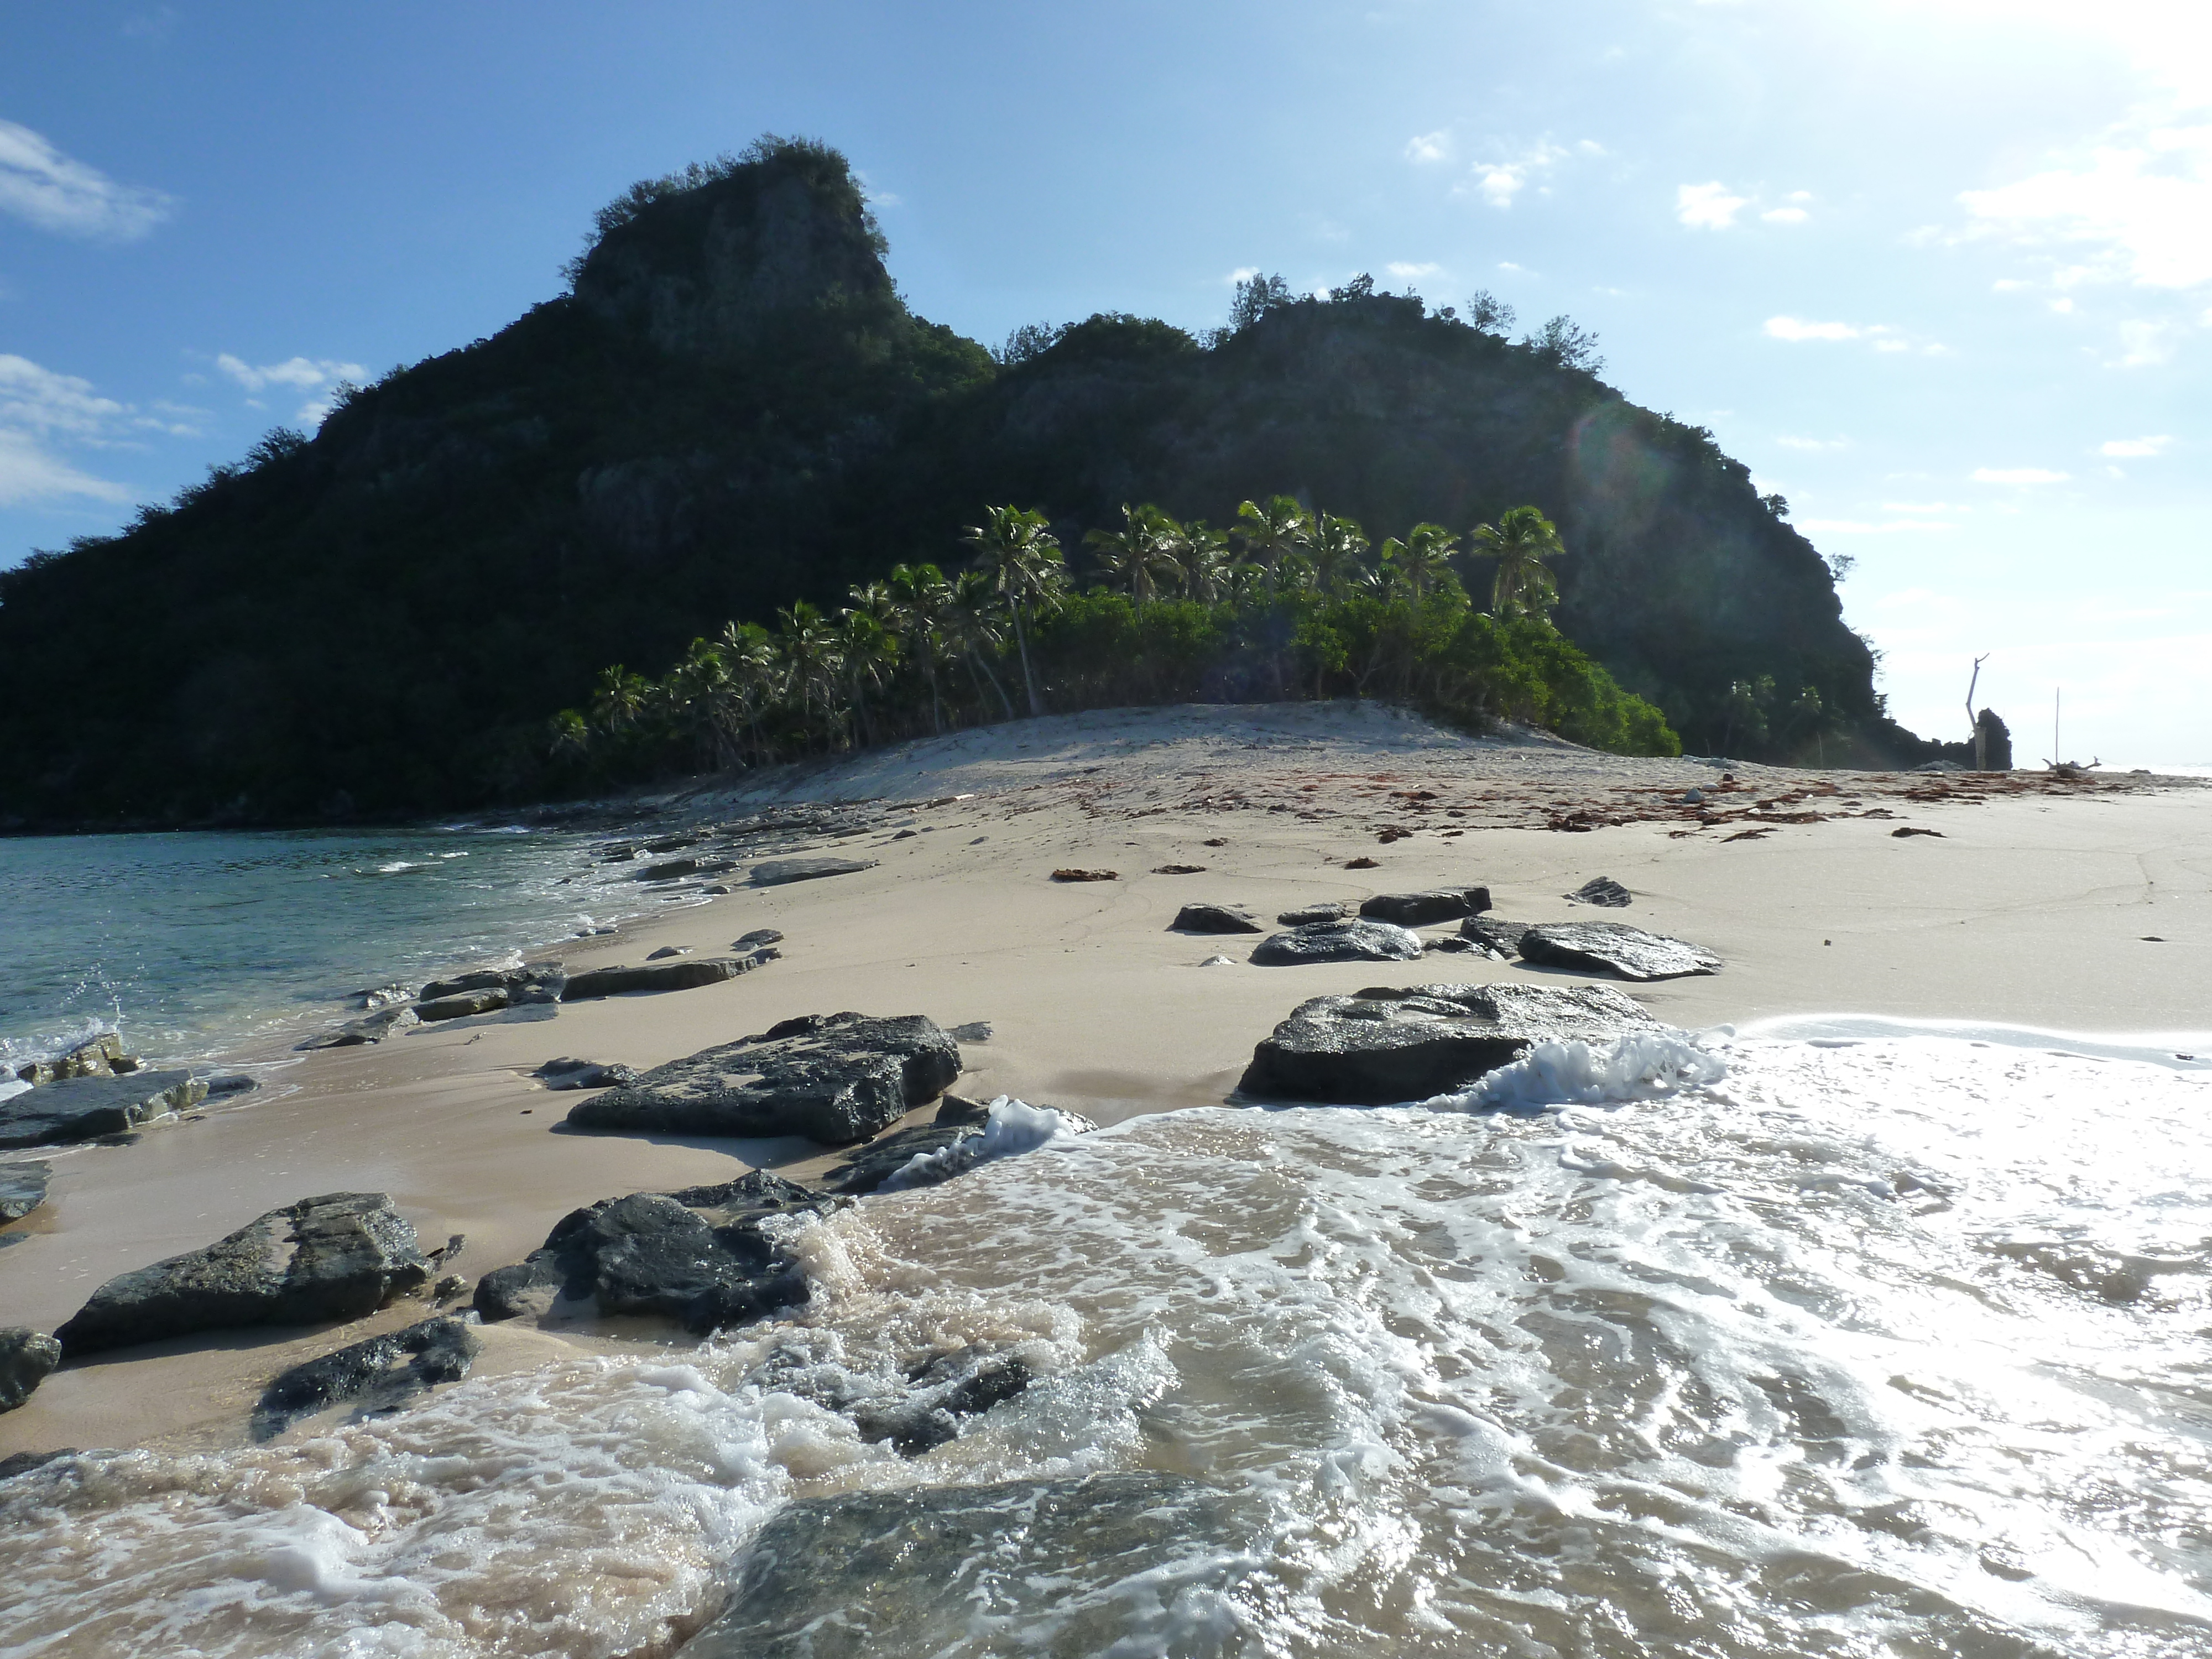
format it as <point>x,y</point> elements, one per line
<point>1242,274</point>
<point>1786,216</point>
<point>2144,344</point>
<point>2017,475</point>
<point>2135,448</point>
<point>2139,202</point>
<point>1430,147</point>
<point>1812,446</point>
<point>1924,507</point>
<point>1500,181</point>
<point>1508,264</point>
<point>1793,328</point>
<point>55,192</point>
<point>322,375</point>
<point>30,471</point>
<point>1405,272</point>
<point>1708,207</point>
<point>40,409</point>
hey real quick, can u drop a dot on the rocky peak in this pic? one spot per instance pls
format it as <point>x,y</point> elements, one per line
<point>710,262</point>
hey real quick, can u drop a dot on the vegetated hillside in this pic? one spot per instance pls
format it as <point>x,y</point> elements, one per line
<point>732,407</point>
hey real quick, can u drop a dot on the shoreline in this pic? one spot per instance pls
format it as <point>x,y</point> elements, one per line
<point>2028,907</point>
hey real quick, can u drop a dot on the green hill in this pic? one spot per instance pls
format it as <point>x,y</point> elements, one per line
<point>732,407</point>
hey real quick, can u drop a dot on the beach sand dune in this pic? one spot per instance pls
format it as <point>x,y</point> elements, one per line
<point>2077,908</point>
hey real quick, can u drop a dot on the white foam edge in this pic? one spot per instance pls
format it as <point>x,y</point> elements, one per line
<point>1011,1128</point>
<point>2165,1048</point>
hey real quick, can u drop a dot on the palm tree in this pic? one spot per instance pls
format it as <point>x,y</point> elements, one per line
<point>1272,534</point>
<point>1337,547</point>
<point>1139,553</point>
<point>568,734</point>
<point>1017,548</point>
<point>810,647</point>
<point>1520,540</point>
<point>971,623</point>
<point>923,599</point>
<point>756,677</point>
<point>1204,560</point>
<point>620,699</point>
<point>693,694</point>
<point>867,651</point>
<point>1424,557</point>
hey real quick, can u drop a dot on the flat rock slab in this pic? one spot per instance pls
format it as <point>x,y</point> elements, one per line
<point>87,1108</point>
<point>1327,910</point>
<point>679,975</point>
<point>778,872</point>
<point>25,1357</point>
<point>1602,890</point>
<point>1427,909</point>
<point>924,1408</point>
<point>1213,919</point>
<point>1385,1045</point>
<point>868,1167</point>
<point>372,1027</point>
<point>1354,938</point>
<point>1494,934</point>
<point>1106,1564</point>
<point>835,1078</point>
<point>584,1073</point>
<point>382,1374</point>
<point>540,981</point>
<point>22,1188</point>
<point>698,1256</point>
<point>338,1257</point>
<point>1615,948</point>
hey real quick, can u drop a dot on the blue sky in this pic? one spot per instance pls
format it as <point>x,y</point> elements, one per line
<point>1940,272</point>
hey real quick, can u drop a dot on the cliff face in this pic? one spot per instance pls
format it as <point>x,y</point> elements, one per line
<point>732,410</point>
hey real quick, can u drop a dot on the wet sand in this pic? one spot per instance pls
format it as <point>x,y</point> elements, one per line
<point>2028,908</point>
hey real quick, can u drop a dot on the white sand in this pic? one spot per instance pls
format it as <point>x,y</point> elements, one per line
<point>2028,908</point>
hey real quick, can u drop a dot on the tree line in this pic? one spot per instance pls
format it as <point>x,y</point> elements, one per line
<point>1284,603</point>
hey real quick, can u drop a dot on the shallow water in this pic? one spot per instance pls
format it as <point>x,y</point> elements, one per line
<point>195,945</point>
<point>1889,1348</point>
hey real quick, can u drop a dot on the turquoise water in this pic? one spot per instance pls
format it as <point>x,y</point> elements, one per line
<point>195,945</point>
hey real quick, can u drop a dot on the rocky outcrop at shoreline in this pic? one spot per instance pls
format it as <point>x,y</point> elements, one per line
<point>379,1375</point>
<point>1353,939</point>
<point>88,1108</point>
<point>833,1078</point>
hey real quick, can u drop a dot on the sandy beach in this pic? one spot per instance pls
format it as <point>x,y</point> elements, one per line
<point>2083,908</point>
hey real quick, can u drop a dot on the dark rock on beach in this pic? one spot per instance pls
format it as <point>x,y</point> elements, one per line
<point>87,1108</point>
<point>758,936</point>
<point>22,1188</point>
<point>1329,910</point>
<point>1101,1564</point>
<point>24,1462</point>
<point>338,1257</point>
<point>920,1409</point>
<point>539,981</point>
<point>667,951</point>
<point>584,1073</point>
<point>1213,919</point>
<point>868,1167</point>
<point>104,1056</point>
<point>680,976</point>
<point>1493,934</point>
<point>25,1357</point>
<point>1426,909</point>
<point>382,1374</point>
<point>1602,890</point>
<point>698,1256</point>
<point>462,1004</point>
<point>1388,1045</point>
<point>1355,939</point>
<point>836,1077</point>
<point>231,1083</point>
<point>1613,947</point>
<point>374,1027</point>
<point>777,872</point>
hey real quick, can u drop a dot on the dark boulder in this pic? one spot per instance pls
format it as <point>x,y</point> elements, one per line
<point>1355,939</point>
<point>22,1188</point>
<point>1602,890</point>
<point>866,1167</point>
<point>836,1077</point>
<point>1327,910</point>
<point>103,1056</point>
<point>777,872</point>
<point>1426,909</point>
<point>462,1004</point>
<point>1101,1564</point>
<point>1386,1045</point>
<point>680,976</point>
<point>24,1462</point>
<point>758,936</point>
<point>924,1408</point>
<point>1613,947</point>
<point>383,1374</point>
<point>374,1027</point>
<point>584,1073</point>
<point>87,1108</point>
<point>1494,934</point>
<point>676,869</point>
<point>232,1083</point>
<point>25,1357</point>
<point>339,1256</point>
<point>539,982</point>
<point>1213,919</point>
<point>699,1256</point>
<point>666,951</point>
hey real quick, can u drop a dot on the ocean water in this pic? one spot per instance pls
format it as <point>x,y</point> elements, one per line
<point>195,945</point>
<point>1870,1347</point>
